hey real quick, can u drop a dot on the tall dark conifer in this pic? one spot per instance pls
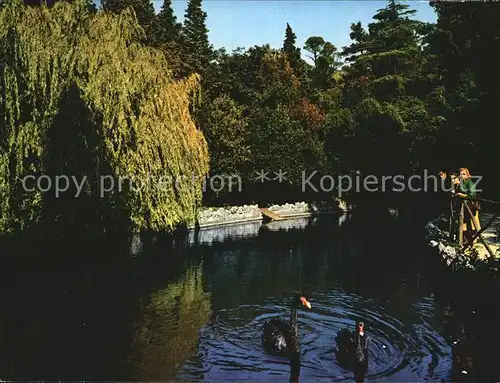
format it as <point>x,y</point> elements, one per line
<point>195,38</point>
<point>168,28</point>
<point>167,37</point>
<point>292,52</point>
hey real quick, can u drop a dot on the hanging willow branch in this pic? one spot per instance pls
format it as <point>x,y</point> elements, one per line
<point>138,112</point>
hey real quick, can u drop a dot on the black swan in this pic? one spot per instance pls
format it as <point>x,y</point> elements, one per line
<point>281,337</point>
<point>352,350</point>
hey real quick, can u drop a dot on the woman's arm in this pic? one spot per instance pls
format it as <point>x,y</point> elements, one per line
<point>470,191</point>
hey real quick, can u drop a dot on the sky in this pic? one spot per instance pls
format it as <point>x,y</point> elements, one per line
<point>245,23</point>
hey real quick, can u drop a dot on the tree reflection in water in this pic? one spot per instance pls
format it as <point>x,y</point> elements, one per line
<point>167,327</point>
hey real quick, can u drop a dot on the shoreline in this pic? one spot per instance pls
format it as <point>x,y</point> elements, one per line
<point>211,217</point>
<point>473,258</point>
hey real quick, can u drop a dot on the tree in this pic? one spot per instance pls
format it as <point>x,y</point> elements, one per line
<point>391,45</point>
<point>226,131</point>
<point>258,89</point>
<point>90,4</point>
<point>387,86</point>
<point>324,58</point>
<point>143,9</point>
<point>327,64</point>
<point>169,29</point>
<point>91,104</point>
<point>167,37</point>
<point>463,45</point>
<point>314,45</point>
<point>198,51</point>
<point>292,52</point>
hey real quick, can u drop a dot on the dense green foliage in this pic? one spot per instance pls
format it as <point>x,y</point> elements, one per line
<point>143,9</point>
<point>96,104</point>
<point>404,96</point>
<point>465,46</point>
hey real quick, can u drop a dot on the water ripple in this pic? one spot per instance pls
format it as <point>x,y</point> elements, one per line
<point>230,346</point>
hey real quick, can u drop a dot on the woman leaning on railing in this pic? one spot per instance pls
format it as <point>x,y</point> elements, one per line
<point>466,188</point>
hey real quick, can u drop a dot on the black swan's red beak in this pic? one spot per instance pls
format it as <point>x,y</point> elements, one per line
<point>305,302</point>
<point>361,328</point>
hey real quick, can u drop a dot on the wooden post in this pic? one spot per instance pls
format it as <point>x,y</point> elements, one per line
<point>451,221</point>
<point>482,230</point>
<point>461,224</point>
<point>475,227</point>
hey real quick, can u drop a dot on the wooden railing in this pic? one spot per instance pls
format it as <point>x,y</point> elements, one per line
<point>463,205</point>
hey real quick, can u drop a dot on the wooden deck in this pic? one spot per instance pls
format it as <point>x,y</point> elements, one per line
<point>490,237</point>
<point>269,214</point>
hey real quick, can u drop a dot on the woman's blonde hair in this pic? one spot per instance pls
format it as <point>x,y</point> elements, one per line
<point>467,172</point>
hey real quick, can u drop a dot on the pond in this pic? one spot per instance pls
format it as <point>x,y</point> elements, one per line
<point>193,309</point>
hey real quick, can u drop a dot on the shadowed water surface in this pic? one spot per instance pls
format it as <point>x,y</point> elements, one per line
<point>194,309</point>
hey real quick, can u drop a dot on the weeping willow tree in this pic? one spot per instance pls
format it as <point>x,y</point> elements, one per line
<point>81,97</point>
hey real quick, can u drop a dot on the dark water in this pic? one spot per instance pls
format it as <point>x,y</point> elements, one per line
<point>194,309</point>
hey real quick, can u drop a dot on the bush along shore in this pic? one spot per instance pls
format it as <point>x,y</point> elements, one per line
<point>218,216</point>
<point>451,254</point>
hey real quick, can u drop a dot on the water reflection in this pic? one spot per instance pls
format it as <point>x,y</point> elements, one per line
<point>193,309</point>
<point>230,348</point>
<point>136,245</point>
<point>289,224</point>
<point>167,325</point>
<point>208,236</point>
<point>342,219</point>
<point>253,281</point>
